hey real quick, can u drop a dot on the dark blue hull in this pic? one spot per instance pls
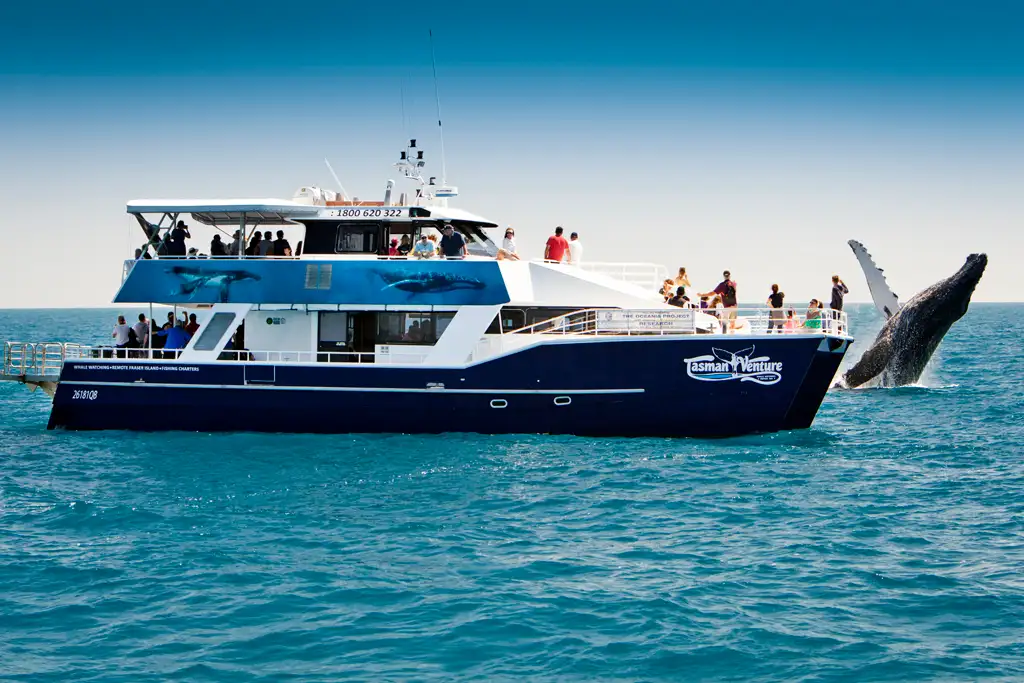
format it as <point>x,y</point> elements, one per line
<point>595,387</point>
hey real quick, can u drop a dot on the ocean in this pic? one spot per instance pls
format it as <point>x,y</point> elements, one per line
<point>886,543</point>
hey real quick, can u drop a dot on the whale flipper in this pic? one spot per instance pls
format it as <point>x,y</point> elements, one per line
<point>887,303</point>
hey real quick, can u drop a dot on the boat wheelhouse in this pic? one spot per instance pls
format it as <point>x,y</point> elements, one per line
<point>343,334</point>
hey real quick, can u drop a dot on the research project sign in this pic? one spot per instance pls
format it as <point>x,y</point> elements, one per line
<point>680,321</point>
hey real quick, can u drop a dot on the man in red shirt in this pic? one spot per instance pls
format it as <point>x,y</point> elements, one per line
<point>193,326</point>
<point>557,247</point>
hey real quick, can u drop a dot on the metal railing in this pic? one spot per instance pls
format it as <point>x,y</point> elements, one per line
<point>649,276</point>
<point>45,359</point>
<point>36,359</point>
<point>690,320</point>
<point>614,321</point>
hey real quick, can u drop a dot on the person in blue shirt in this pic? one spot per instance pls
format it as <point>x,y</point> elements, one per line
<point>424,248</point>
<point>177,337</point>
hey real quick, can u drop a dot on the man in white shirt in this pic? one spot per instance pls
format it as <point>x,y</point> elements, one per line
<point>142,330</point>
<point>121,333</point>
<point>575,249</point>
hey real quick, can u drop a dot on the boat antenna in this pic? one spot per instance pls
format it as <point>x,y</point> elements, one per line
<point>437,99</point>
<point>344,195</point>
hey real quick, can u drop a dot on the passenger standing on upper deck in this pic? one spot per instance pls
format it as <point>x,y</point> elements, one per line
<point>254,245</point>
<point>176,338</point>
<point>217,247</point>
<point>280,244</point>
<point>142,330</point>
<point>727,290</point>
<point>839,290</point>
<point>424,247</point>
<point>775,317</point>
<point>122,333</point>
<point>556,247</point>
<point>453,245</point>
<point>267,245</point>
<point>178,236</point>
<point>575,249</point>
<point>193,326</point>
<point>236,241</point>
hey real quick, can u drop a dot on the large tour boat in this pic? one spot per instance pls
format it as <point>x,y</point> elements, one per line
<point>345,335</point>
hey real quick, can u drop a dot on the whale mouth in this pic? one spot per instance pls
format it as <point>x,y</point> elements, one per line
<point>974,267</point>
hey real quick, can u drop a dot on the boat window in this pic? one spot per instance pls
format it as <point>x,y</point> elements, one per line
<point>321,237</point>
<point>441,322</point>
<point>411,327</point>
<point>357,237</point>
<point>507,320</point>
<point>213,330</point>
<point>537,315</point>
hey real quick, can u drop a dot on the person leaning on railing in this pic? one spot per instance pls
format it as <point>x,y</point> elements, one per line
<point>424,247</point>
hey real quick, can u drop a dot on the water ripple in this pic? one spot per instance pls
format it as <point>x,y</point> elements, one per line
<point>883,544</point>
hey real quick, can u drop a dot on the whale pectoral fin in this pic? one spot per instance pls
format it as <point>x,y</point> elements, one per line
<point>885,300</point>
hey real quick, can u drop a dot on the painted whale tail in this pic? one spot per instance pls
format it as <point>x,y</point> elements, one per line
<point>885,300</point>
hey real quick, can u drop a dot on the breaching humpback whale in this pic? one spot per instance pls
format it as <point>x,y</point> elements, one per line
<point>912,330</point>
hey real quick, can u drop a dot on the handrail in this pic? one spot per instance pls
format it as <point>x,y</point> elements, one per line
<point>39,359</point>
<point>742,321</point>
<point>46,359</point>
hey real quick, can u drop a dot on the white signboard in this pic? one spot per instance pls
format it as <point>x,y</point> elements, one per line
<point>367,212</point>
<point>645,321</point>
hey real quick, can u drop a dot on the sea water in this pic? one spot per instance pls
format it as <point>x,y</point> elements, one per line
<point>884,543</point>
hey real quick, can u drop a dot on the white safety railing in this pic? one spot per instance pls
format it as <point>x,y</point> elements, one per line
<point>36,359</point>
<point>649,276</point>
<point>736,321</point>
<point>45,359</point>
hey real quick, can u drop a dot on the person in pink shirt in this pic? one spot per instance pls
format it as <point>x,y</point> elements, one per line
<point>556,247</point>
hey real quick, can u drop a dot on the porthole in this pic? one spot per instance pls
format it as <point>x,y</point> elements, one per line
<point>499,403</point>
<point>563,400</point>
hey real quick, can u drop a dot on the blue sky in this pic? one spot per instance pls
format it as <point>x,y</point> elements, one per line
<point>755,136</point>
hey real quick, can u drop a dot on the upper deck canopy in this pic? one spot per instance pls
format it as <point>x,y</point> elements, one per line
<point>218,211</point>
<point>283,212</point>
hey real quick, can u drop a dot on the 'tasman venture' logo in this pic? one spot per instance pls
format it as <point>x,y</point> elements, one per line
<point>725,366</point>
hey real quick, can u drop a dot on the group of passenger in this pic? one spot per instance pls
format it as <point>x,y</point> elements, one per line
<point>452,245</point>
<point>722,302</point>
<point>166,340</point>
<point>173,244</point>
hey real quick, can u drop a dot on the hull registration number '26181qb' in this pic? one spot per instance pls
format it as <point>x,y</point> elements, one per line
<point>85,394</point>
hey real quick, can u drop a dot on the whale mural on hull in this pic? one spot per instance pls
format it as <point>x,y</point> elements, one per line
<point>295,281</point>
